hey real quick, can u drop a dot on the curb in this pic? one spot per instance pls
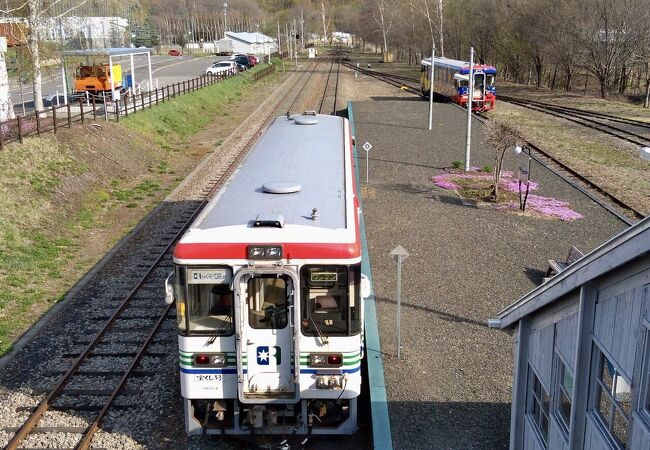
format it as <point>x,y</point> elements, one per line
<point>381,432</point>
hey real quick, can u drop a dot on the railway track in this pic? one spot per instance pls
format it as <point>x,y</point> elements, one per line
<point>593,120</point>
<point>621,210</point>
<point>115,341</point>
<point>328,102</point>
<point>394,80</point>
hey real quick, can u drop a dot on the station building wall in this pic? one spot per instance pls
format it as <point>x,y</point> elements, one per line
<point>584,367</point>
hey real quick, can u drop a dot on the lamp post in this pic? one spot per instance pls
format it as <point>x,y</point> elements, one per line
<point>523,172</point>
<point>470,97</point>
<point>433,54</point>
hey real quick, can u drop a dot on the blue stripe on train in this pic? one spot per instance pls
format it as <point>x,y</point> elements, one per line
<point>325,371</point>
<point>209,371</point>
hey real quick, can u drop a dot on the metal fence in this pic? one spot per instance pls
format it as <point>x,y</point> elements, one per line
<point>91,108</point>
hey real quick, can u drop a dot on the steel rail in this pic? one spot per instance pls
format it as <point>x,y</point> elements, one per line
<point>595,125</point>
<point>327,82</point>
<point>578,111</point>
<point>385,78</point>
<point>44,405</point>
<point>336,86</point>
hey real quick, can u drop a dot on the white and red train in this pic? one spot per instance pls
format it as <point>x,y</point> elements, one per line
<point>268,290</point>
<point>451,79</point>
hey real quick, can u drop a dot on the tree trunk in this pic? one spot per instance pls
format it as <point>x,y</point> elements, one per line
<point>603,87</point>
<point>554,78</point>
<point>6,105</point>
<point>646,103</point>
<point>569,75</point>
<point>36,60</point>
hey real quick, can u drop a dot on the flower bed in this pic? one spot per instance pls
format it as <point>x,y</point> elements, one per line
<point>476,185</point>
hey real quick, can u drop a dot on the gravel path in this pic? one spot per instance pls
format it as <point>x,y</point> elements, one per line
<point>451,387</point>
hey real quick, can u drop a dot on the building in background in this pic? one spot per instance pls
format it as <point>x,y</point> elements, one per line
<point>582,352</point>
<point>253,43</point>
<point>75,32</point>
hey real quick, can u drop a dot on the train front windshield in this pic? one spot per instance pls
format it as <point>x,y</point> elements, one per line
<point>330,300</point>
<point>203,308</point>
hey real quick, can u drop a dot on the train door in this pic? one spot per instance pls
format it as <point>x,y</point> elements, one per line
<point>479,86</point>
<point>266,346</point>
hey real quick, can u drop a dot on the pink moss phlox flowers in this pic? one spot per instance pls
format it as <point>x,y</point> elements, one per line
<point>544,206</point>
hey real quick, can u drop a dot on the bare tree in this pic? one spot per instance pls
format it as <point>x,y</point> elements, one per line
<point>6,105</point>
<point>502,136</point>
<point>608,35</point>
<point>383,17</point>
<point>326,20</point>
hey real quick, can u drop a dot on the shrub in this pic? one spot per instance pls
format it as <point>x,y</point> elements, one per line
<point>457,164</point>
<point>487,169</point>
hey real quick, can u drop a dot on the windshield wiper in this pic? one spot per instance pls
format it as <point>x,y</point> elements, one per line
<point>320,334</point>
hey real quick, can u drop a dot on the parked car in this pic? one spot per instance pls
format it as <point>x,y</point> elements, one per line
<point>243,60</point>
<point>221,67</point>
<point>174,52</point>
<point>257,60</point>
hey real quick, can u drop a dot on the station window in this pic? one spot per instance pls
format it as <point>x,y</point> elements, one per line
<point>537,405</point>
<point>644,398</point>
<point>563,394</point>
<point>330,301</point>
<point>204,307</point>
<point>611,399</point>
<point>268,301</point>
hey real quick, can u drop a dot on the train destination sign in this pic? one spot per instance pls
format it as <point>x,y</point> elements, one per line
<point>208,276</point>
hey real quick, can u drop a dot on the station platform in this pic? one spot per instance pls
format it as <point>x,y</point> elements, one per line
<point>451,387</point>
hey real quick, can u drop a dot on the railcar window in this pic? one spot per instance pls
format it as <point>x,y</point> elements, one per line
<point>330,300</point>
<point>268,301</point>
<point>210,309</point>
<point>179,295</point>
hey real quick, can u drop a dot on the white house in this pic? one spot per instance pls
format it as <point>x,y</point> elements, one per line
<point>253,43</point>
<point>339,37</point>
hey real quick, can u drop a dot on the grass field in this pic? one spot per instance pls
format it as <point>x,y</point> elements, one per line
<point>85,188</point>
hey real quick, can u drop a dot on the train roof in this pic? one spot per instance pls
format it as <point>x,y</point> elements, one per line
<point>461,66</point>
<point>299,164</point>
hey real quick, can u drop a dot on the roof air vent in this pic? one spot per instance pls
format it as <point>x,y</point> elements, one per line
<point>305,120</point>
<point>281,187</point>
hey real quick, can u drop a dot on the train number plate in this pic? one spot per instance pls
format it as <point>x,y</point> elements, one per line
<point>207,377</point>
<point>208,276</point>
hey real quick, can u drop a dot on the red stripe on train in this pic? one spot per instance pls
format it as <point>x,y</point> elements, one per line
<point>290,251</point>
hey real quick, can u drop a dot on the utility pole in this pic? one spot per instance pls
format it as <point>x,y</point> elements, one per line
<point>286,32</point>
<point>470,97</point>
<point>225,19</point>
<point>302,32</point>
<point>433,54</point>
<point>295,46</point>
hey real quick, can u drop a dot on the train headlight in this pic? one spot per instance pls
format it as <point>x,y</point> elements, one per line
<point>317,360</point>
<point>211,359</point>
<point>326,360</point>
<point>257,252</point>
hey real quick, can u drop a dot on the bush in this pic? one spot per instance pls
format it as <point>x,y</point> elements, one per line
<point>487,169</point>
<point>457,164</point>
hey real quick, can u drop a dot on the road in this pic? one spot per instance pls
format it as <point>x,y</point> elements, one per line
<point>164,70</point>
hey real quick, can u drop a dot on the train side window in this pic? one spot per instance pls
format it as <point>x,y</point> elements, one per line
<point>268,301</point>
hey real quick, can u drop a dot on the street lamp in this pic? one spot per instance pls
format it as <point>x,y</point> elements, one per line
<point>524,158</point>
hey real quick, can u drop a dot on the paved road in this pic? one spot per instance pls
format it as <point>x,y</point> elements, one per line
<point>164,70</point>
